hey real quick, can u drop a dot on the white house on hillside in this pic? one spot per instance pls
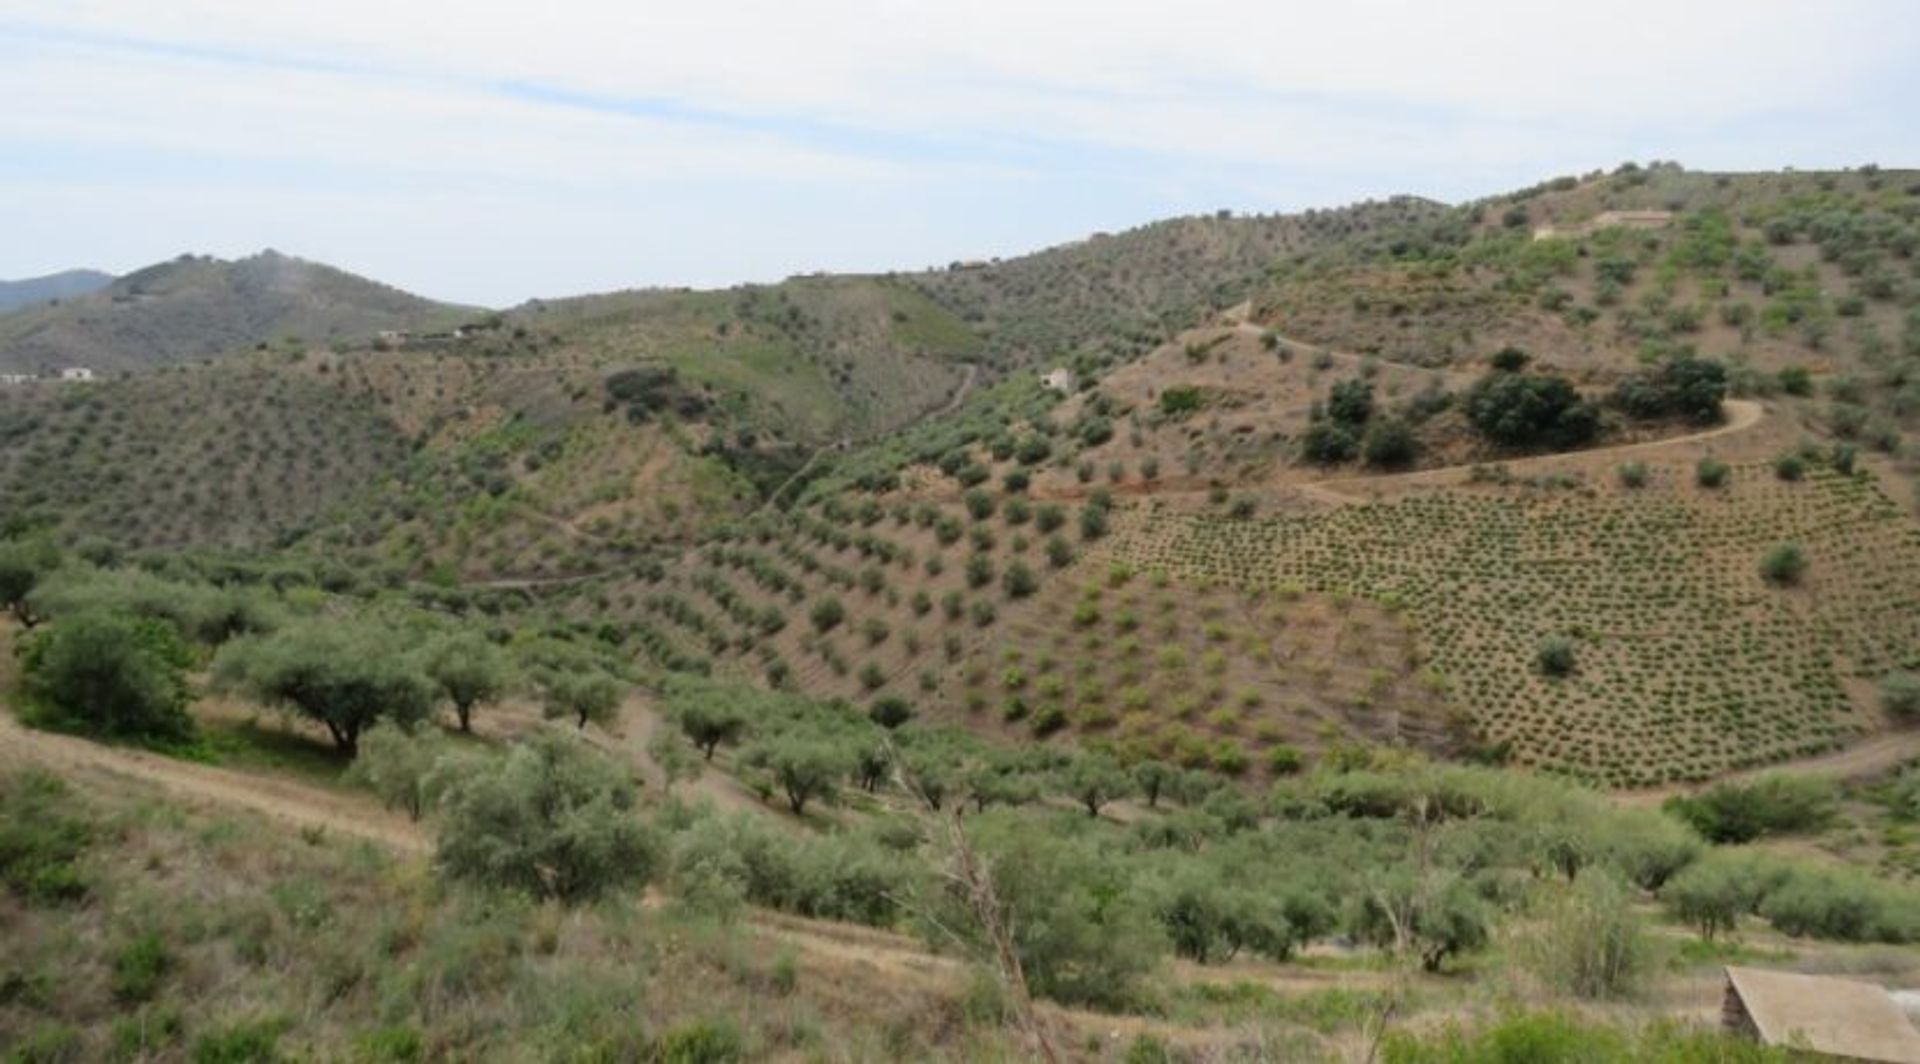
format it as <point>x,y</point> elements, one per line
<point>1059,378</point>
<point>76,373</point>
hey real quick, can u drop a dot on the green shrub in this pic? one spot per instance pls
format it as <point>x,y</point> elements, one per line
<point>1350,402</point>
<point>1633,474</point>
<point>890,712</point>
<point>1735,811</point>
<point>1284,760</point>
<point>43,834</point>
<point>1685,386</point>
<point>1520,410</point>
<point>553,819</point>
<point>1796,380</point>
<point>1328,443</point>
<point>1711,473</point>
<point>1555,656</point>
<point>1900,694</point>
<point>1180,401</point>
<point>1390,444</point>
<point>1589,943</point>
<point>827,614</point>
<point>110,674</point>
<point>703,1042</point>
<point>139,967</point>
<point>1784,565</point>
<point>244,1042</point>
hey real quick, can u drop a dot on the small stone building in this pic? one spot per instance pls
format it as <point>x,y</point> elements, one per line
<point>1836,1018</point>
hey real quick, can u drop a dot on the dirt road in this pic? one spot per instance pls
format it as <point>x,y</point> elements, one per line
<point>1869,757</point>
<point>297,804</point>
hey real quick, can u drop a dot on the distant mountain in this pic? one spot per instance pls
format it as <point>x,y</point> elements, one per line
<point>63,285</point>
<point>197,307</point>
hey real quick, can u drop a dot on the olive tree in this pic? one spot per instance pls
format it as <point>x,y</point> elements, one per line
<point>587,696</point>
<point>1094,780</point>
<point>400,767</point>
<point>709,720</point>
<point>22,565</point>
<point>803,769</point>
<point>343,674</point>
<point>552,819</point>
<point>109,674</point>
<point>468,669</point>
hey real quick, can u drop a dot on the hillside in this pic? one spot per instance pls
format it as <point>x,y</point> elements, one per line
<point>195,308</point>
<point>1415,633</point>
<point>1114,296</point>
<point>525,464</point>
<point>953,566</point>
<point>63,285</point>
<point>242,457</point>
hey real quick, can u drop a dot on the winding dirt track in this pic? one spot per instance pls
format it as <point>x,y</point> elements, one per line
<point>1869,757</point>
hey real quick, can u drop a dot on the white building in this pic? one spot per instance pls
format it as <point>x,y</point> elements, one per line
<point>76,373</point>
<point>1059,378</point>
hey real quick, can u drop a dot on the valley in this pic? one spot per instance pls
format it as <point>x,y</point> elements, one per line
<point>1385,632</point>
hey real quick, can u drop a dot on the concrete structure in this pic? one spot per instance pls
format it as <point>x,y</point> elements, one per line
<point>76,373</point>
<point>1059,378</point>
<point>1829,1017</point>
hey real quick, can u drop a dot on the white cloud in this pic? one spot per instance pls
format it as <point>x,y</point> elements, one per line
<point>792,134</point>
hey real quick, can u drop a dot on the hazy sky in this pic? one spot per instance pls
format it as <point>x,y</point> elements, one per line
<point>490,152</point>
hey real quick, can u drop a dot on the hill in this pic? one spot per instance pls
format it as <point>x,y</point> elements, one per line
<point>954,566</point>
<point>194,308</point>
<point>63,285</point>
<point>1114,296</point>
<point>568,437</point>
<point>1412,632</point>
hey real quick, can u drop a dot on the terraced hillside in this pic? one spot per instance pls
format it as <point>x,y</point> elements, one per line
<point>246,456</point>
<point>1113,296</point>
<point>811,358</point>
<point>195,308</point>
<point>1602,613</point>
<point>1685,660</point>
<point>1808,270</point>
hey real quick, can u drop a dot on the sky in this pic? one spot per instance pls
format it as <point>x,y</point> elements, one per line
<point>489,153</point>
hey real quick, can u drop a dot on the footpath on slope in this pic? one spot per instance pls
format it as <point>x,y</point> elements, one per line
<point>297,804</point>
<point>1869,757</point>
